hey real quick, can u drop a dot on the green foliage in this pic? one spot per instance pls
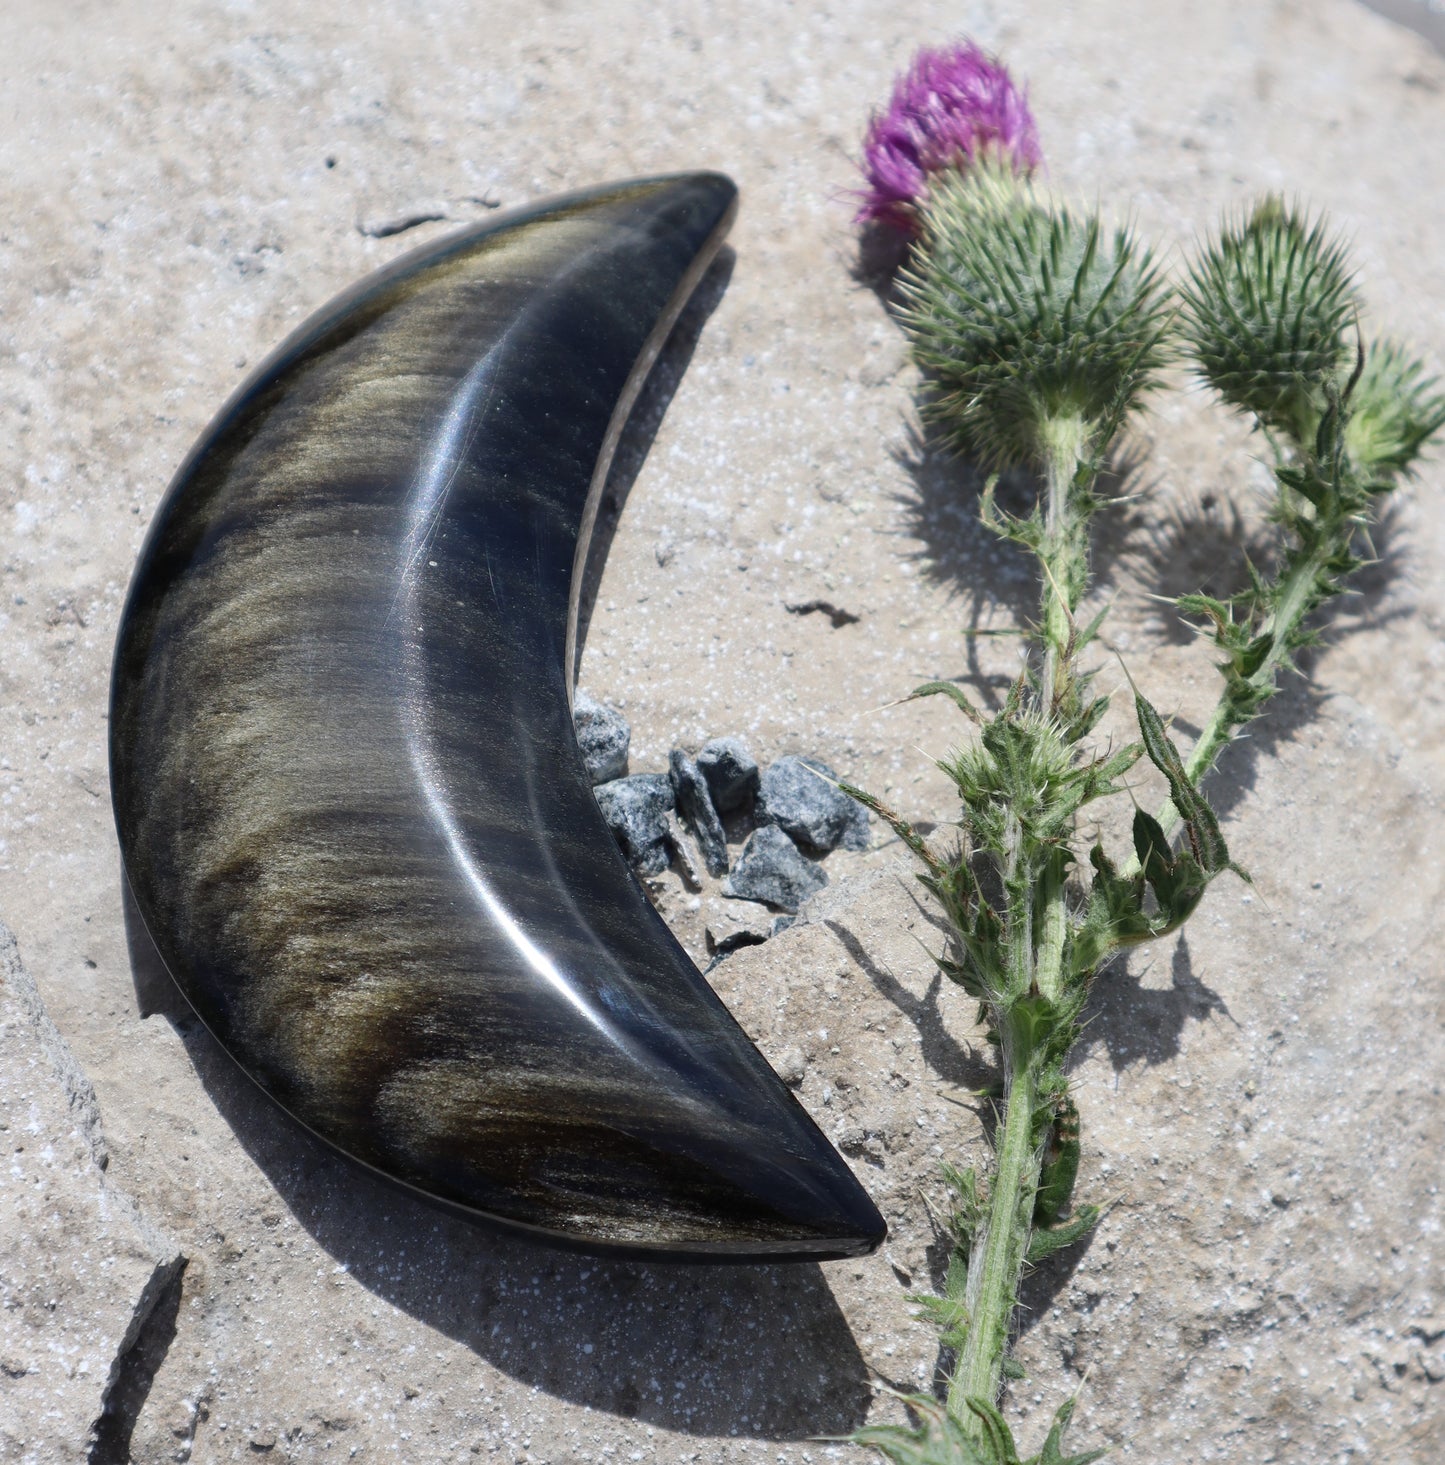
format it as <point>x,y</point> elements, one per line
<point>1394,410</point>
<point>1369,433</point>
<point>941,1439</point>
<point>1040,333</point>
<point>1211,854</point>
<point>1265,314</point>
<point>1025,314</point>
<point>1060,1166</point>
<point>1046,1240</point>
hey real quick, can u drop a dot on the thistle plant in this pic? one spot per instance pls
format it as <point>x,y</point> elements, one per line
<point>1041,332</point>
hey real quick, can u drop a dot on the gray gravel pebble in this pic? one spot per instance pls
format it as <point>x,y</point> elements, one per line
<point>815,814</point>
<point>604,737</point>
<point>772,869</point>
<point>694,803</point>
<point>731,773</point>
<point>678,852</point>
<point>636,810</point>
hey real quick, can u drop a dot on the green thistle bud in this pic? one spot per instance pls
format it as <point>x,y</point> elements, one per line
<point>1266,311</point>
<point>1027,316</point>
<point>1393,410</point>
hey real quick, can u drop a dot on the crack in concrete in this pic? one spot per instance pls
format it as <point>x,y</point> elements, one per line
<point>142,1351</point>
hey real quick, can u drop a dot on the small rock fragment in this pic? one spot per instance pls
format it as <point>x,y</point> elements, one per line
<point>604,737</point>
<point>694,803</point>
<point>636,810</point>
<point>731,925</point>
<point>731,773</point>
<point>812,811</point>
<point>677,850</point>
<point>771,869</point>
<point>791,1067</point>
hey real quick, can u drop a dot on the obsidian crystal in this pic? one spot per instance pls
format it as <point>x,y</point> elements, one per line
<point>349,795</point>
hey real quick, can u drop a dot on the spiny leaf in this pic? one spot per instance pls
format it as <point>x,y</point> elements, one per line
<point>1177,881</point>
<point>1046,1240</point>
<point>1060,1165</point>
<point>948,1316</point>
<point>1217,610</point>
<point>939,1439</point>
<point>1209,846</point>
<point>1115,916</point>
<point>1052,1452</point>
<point>900,826</point>
<point>996,1431</point>
<point>951,690</point>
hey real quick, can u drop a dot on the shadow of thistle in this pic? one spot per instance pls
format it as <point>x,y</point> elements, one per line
<point>995,579</point>
<point>954,1062</point>
<point>1134,1023</point>
<point>882,252</point>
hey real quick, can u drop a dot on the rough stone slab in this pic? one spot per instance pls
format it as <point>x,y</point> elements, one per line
<point>80,1266</point>
<point>172,213</point>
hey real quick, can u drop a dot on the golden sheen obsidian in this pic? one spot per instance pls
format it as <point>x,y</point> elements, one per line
<point>350,801</point>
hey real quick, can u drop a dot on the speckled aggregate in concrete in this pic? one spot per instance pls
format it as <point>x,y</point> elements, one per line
<point>1261,1100</point>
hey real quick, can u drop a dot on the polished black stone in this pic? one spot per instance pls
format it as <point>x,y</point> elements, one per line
<point>350,800</point>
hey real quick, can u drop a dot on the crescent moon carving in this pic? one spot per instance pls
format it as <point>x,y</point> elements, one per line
<point>350,802</point>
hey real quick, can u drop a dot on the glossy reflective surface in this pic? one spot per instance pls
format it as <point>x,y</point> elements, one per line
<point>350,802</point>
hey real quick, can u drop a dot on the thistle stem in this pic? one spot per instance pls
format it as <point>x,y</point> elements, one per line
<point>1299,594</point>
<point>998,1249</point>
<point>1062,551</point>
<point>996,1258</point>
<point>1037,927</point>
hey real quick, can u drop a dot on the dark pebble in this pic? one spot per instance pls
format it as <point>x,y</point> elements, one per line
<point>771,869</point>
<point>731,773</point>
<point>812,811</point>
<point>636,812</point>
<point>694,803</point>
<point>603,735</point>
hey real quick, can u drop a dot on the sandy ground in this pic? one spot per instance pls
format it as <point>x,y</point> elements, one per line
<point>1261,1099</point>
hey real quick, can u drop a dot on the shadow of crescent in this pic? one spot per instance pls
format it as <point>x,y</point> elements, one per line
<point>351,806</point>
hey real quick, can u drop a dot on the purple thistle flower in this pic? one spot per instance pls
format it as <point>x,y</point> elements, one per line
<point>951,107</point>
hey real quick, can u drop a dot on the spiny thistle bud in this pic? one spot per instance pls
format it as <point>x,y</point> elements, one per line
<point>1028,317</point>
<point>1266,310</point>
<point>951,109</point>
<point>1393,410</point>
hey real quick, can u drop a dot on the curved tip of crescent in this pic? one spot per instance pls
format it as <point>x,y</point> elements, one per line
<point>790,1196</point>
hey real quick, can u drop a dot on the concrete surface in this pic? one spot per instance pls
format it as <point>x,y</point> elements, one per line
<point>1261,1099</point>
